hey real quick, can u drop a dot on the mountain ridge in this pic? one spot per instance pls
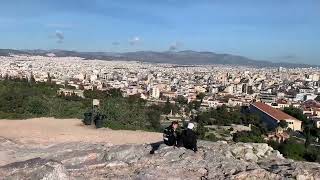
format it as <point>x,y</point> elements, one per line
<point>186,57</point>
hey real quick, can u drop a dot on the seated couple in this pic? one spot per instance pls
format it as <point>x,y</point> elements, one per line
<point>186,138</point>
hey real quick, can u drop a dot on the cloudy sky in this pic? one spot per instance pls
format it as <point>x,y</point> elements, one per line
<point>275,30</point>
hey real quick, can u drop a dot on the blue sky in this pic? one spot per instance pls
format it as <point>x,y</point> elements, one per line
<point>275,30</point>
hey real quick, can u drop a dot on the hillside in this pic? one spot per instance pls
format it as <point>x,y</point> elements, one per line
<point>180,57</point>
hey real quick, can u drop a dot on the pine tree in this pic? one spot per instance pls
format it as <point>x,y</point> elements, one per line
<point>32,79</point>
<point>49,79</point>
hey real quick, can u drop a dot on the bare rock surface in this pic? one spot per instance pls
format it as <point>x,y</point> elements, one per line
<point>214,160</point>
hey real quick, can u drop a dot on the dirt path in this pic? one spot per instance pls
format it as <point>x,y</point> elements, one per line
<point>46,131</point>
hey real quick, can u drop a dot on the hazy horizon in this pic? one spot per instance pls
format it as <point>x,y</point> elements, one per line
<point>277,31</point>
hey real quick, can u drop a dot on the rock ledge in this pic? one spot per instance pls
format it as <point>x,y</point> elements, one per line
<point>214,160</point>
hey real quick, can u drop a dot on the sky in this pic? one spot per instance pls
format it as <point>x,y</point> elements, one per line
<point>273,30</point>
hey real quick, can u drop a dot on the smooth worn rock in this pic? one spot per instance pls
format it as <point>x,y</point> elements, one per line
<point>214,160</point>
<point>35,169</point>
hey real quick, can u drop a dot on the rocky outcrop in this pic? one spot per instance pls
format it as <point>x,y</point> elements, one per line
<point>36,168</point>
<point>214,160</point>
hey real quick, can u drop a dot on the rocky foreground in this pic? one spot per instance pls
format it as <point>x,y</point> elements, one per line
<point>217,160</point>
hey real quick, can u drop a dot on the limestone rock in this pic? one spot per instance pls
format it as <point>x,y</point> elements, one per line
<point>214,160</point>
<point>35,169</point>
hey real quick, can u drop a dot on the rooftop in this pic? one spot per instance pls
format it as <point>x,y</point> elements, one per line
<point>275,113</point>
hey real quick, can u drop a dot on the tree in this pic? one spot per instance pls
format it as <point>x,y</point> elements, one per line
<point>296,112</point>
<point>115,92</point>
<point>153,117</point>
<point>315,132</point>
<point>182,100</point>
<point>36,106</point>
<point>200,96</point>
<point>307,133</point>
<point>201,131</point>
<point>248,136</point>
<point>32,79</point>
<point>6,77</point>
<point>20,99</point>
<point>167,107</point>
<point>312,154</point>
<point>309,129</point>
<point>194,105</point>
<point>283,124</point>
<point>49,80</point>
<point>292,149</point>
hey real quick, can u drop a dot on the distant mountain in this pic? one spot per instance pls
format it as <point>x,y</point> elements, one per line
<point>180,57</point>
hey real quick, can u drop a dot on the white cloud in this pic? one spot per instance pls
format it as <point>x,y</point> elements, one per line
<point>175,46</point>
<point>59,36</point>
<point>135,40</point>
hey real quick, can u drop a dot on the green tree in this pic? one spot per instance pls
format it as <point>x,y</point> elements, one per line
<point>49,79</point>
<point>200,96</point>
<point>283,124</point>
<point>296,112</point>
<point>115,92</point>
<point>32,79</point>
<point>182,100</point>
<point>254,136</point>
<point>153,117</point>
<point>307,132</point>
<point>292,149</point>
<point>201,130</point>
<point>167,107</point>
<point>36,106</point>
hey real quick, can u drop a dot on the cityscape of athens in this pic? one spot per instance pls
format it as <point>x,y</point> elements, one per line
<point>159,90</point>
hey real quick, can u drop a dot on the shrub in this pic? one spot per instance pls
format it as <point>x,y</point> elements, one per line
<point>248,136</point>
<point>293,150</point>
<point>211,137</point>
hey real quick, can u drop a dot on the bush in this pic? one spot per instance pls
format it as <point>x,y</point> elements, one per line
<point>153,117</point>
<point>247,136</point>
<point>293,150</point>
<point>211,137</point>
<point>312,154</point>
<point>130,114</point>
<point>36,106</point>
<point>19,99</point>
<point>296,150</point>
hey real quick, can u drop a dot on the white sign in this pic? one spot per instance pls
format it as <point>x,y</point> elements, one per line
<point>95,102</point>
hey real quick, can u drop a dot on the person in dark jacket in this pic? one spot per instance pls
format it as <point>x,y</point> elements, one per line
<point>189,138</point>
<point>170,135</point>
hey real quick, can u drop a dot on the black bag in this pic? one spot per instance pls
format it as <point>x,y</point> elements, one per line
<point>99,120</point>
<point>87,118</point>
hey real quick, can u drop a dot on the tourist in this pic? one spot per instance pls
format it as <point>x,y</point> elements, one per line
<point>170,135</point>
<point>189,138</point>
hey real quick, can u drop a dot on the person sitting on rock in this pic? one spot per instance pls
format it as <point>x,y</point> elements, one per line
<point>189,138</point>
<point>170,135</point>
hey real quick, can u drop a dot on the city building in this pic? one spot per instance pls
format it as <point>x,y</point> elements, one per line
<point>271,116</point>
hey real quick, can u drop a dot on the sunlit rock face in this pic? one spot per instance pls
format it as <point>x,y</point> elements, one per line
<point>214,160</point>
